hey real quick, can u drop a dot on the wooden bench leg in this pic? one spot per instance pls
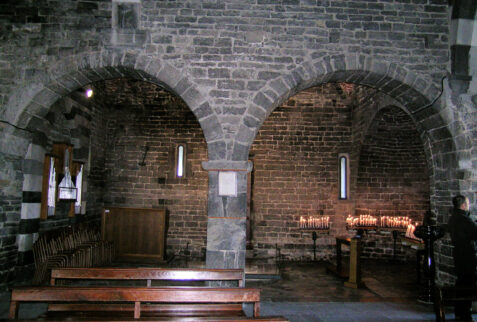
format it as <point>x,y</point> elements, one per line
<point>12,314</point>
<point>137,310</point>
<point>256,309</point>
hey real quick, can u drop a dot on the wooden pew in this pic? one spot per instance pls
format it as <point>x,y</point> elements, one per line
<point>148,274</point>
<point>203,298</point>
<point>450,295</point>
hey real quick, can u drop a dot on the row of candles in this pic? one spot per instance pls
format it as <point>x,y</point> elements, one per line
<point>372,221</point>
<point>321,222</point>
<point>410,232</point>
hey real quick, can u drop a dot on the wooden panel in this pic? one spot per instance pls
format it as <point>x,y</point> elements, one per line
<point>149,273</point>
<point>170,309</point>
<point>137,233</point>
<point>135,294</point>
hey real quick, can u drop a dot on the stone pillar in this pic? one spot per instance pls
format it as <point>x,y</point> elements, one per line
<point>31,203</point>
<point>463,46</point>
<point>227,216</point>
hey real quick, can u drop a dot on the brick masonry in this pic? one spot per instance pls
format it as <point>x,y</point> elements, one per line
<point>393,177</point>
<point>295,156</point>
<point>232,63</point>
<point>141,115</point>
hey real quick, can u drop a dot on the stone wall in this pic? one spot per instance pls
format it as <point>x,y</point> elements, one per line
<point>295,156</point>
<point>232,62</point>
<point>69,121</point>
<point>143,115</point>
<point>393,177</point>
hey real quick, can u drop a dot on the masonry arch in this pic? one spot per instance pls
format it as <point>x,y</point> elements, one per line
<point>75,73</point>
<point>69,74</point>
<point>412,91</point>
<point>406,87</point>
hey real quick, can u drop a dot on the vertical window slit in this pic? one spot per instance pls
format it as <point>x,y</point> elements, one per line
<point>180,161</point>
<point>344,176</point>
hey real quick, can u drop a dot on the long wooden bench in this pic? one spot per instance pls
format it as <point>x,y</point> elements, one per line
<point>450,295</point>
<point>148,274</point>
<point>138,296</point>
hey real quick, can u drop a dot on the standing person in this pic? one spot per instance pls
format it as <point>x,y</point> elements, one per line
<point>463,231</point>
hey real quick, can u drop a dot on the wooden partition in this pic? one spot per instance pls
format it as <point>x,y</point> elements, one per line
<point>138,234</point>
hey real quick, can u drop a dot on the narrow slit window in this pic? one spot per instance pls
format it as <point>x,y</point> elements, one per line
<point>79,186</point>
<point>344,176</point>
<point>51,188</point>
<point>180,165</point>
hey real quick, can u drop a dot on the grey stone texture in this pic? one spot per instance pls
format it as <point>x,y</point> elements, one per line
<point>232,62</point>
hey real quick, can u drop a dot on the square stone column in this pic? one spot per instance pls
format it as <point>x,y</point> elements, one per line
<point>227,216</point>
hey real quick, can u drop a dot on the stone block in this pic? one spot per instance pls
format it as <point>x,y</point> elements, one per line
<point>267,75</point>
<point>212,128</point>
<point>215,259</point>
<point>47,97</point>
<point>129,60</point>
<point>245,134</point>
<point>182,86</point>
<point>218,73</point>
<point>240,151</point>
<point>231,84</point>
<point>192,97</point>
<point>251,122</point>
<point>169,75</point>
<point>217,150</point>
<point>255,85</point>
<point>203,111</point>
<point>262,101</point>
<point>226,234</point>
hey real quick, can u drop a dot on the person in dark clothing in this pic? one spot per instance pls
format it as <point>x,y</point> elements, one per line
<point>463,231</point>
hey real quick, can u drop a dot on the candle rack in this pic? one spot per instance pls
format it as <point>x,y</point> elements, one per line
<point>384,223</point>
<point>315,223</point>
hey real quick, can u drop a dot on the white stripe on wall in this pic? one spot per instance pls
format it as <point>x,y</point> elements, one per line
<point>35,152</point>
<point>32,182</point>
<point>30,210</point>
<point>25,242</point>
<point>463,32</point>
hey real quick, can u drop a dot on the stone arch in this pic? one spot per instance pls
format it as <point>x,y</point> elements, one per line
<point>415,93</point>
<point>36,99</point>
<point>69,74</point>
<point>408,88</point>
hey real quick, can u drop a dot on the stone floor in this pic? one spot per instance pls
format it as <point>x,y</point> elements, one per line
<point>303,291</point>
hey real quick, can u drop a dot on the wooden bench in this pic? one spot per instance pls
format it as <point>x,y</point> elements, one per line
<point>176,302</point>
<point>450,295</point>
<point>148,274</point>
